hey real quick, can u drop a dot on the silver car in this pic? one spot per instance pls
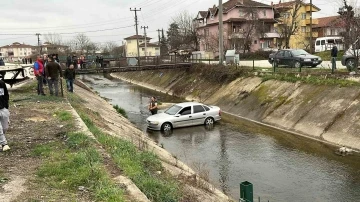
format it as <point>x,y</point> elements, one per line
<point>184,114</point>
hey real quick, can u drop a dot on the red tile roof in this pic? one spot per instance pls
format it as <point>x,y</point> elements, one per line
<point>291,3</point>
<point>203,14</point>
<point>331,21</point>
<point>137,37</point>
<point>244,3</point>
<point>18,45</point>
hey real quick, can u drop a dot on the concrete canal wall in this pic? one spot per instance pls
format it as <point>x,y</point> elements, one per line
<point>325,113</point>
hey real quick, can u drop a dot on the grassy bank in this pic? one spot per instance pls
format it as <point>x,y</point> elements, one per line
<point>142,167</point>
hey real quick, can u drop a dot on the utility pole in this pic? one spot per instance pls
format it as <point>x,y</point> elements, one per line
<point>137,32</point>
<point>311,41</point>
<point>159,31</point>
<point>38,36</point>
<point>221,33</point>
<point>145,27</point>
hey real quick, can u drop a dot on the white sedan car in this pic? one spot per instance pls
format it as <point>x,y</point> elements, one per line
<point>184,114</point>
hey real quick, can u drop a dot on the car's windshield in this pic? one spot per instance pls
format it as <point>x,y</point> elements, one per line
<point>173,110</point>
<point>299,52</point>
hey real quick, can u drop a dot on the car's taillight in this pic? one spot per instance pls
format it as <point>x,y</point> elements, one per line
<point>219,112</point>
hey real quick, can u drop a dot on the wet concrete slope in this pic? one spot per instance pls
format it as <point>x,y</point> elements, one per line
<point>326,113</point>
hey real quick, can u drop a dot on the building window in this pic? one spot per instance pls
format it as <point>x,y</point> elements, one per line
<point>206,32</point>
<point>156,48</point>
<point>212,16</point>
<point>20,49</point>
<point>303,16</point>
<point>286,15</point>
<point>255,42</point>
<point>332,32</point>
<point>143,49</point>
<point>303,29</point>
<point>264,13</point>
<point>140,41</point>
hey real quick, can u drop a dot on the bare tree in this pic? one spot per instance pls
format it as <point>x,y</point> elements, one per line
<point>108,48</point>
<point>81,42</point>
<point>53,38</point>
<point>289,23</point>
<point>91,48</point>
<point>351,35</point>
<point>189,36</point>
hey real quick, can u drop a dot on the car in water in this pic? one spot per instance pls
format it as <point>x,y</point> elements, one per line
<point>294,58</point>
<point>183,115</point>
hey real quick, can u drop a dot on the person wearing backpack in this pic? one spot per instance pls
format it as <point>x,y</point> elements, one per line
<point>39,73</point>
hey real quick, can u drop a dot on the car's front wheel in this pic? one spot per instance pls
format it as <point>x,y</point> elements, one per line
<point>350,64</point>
<point>297,64</point>
<point>166,127</point>
<point>209,121</point>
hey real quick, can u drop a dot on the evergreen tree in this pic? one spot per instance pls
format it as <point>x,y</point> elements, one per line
<point>163,44</point>
<point>174,36</point>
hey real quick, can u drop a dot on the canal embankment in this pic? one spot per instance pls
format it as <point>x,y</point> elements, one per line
<point>326,111</point>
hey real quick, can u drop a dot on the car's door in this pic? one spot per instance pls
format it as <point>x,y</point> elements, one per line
<point>278,57</point>
<point>199,115</point>
<point>288,58</point>
<point>183,117</point>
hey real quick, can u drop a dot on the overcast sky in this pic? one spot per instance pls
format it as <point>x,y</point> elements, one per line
<point>102,20</point>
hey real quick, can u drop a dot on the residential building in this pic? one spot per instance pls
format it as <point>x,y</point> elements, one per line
<point>329,26</point>
<point>131,46</point>
<point>302,25</point>
<point>152,49</point>
<point>17,51</point>
<point>247,25</point>
<point>50,48</point>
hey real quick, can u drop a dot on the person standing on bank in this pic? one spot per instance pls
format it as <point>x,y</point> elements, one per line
<point>70,77</point>
<point>153,106</point>
<point>53,70</point>
<point>334,52</point>
<point>39,72</point>
<point>4,115</point>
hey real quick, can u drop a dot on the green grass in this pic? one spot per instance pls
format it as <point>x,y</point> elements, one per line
<point>76,163</point>
<point>326,55</point>
<point>64,115</point>
<point>120,111</point>
<point>139,166</point>
<point>315,80</point>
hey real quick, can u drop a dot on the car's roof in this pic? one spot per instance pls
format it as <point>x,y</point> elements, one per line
<point>184,104</point>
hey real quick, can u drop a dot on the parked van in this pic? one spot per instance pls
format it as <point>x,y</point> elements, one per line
<point>326,43</point>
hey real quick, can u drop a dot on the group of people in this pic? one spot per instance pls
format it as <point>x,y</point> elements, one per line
<point>80,62</point>
<point>27,60</point>
<point>48,71</point>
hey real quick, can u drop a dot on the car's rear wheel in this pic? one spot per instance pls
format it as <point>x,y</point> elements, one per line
<point>166,127</point>
<point>313,65</point>
<point>296,64</point>
<point>209,121</point>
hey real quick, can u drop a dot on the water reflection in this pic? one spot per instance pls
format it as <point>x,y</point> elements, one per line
<point>282,167</point>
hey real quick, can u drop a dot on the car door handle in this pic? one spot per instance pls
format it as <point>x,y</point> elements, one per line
<point>190,116</point>
<point>204,113</point>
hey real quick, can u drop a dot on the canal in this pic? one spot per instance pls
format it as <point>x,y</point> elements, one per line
<point>282,167</point>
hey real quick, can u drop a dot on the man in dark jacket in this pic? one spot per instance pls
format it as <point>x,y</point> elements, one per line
<point>70,77</point>
<point>4,115</point>
<point>334,52</point>
<point>53,70</point>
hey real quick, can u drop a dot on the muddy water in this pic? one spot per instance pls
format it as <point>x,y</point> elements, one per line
<point>281,167</point>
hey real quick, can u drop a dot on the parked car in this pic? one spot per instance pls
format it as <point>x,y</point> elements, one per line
<point>184,114</point>
<point>349,57</point>
<point>294,58</point>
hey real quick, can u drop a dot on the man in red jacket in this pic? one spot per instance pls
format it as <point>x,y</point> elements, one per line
<point>39,71</point>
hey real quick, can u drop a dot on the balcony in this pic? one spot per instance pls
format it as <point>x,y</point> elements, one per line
<point>236,36</point>
<point>314,21</point>
<point>270,35</point>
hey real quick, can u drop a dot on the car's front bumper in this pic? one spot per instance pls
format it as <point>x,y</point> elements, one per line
<point>153,126</point>
<point>311,63</point>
